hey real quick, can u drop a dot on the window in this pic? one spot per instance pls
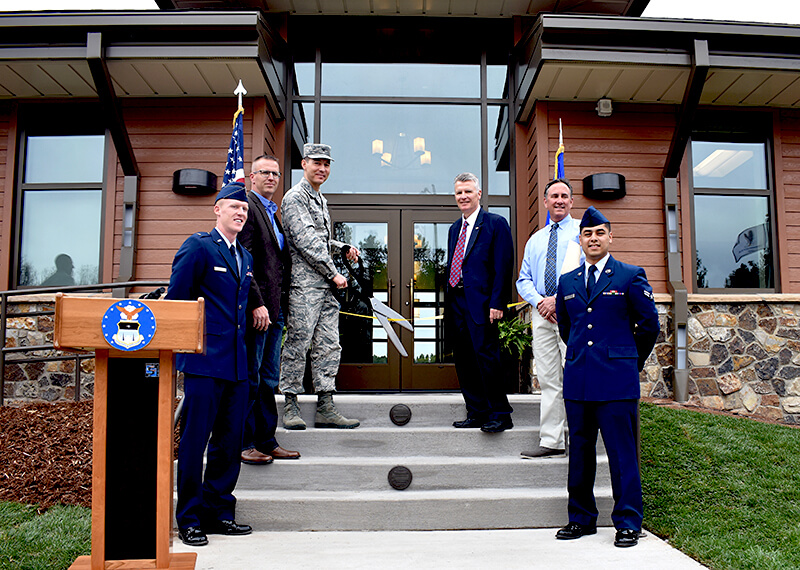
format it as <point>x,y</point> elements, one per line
<point>732,208</point>
<point>61,198</point>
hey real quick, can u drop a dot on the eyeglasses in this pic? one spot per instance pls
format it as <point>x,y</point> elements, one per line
<point>267,173</point>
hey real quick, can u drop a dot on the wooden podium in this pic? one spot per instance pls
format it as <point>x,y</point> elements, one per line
<point>134,395</point>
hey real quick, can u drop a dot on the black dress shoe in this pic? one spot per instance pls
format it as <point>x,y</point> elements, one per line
<point>468,423</point>
<point>228,527</point>
<point>193,536</point>
<point>496,426</point>
<point>575,530</point>
<point>626,537</point>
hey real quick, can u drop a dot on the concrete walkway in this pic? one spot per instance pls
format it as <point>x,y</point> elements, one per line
<point>520,548</point>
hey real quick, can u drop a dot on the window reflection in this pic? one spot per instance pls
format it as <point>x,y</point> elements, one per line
<point>304,73</point>
<point>60,242</point>
<point>430,266</point>
<point>499,180</point>
<point>401,80</point>
<point>400,149</point>
<point>363,339</point>
<point>733,242</point>
<point>729,165</point>
<point>495,81</point>
<point>64,159</point>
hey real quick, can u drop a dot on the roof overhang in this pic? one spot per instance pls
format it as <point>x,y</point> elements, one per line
<point>641,60</point>
<point>148,54</point>
<point>438,8</point>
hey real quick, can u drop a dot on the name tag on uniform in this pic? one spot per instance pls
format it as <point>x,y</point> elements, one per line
<point>220,269</point>
<point>568,297</point>
<point>614,293</point>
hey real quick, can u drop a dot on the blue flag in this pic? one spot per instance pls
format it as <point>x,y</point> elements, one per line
<point>234,168</point>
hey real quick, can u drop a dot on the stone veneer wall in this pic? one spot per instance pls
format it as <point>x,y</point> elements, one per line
<point>743,351</point>
<point>40,381</point>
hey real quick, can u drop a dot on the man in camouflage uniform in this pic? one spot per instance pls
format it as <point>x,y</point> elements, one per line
<point>313,319</point>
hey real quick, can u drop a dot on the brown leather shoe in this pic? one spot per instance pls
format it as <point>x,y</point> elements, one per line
<point>281,453</point>
<point>253,456</point>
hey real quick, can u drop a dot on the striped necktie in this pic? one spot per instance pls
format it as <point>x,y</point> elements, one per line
<point>458,257</point>
<point>550,282</point>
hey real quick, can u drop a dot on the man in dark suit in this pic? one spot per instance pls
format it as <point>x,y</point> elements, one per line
<point>479,269</point>
<point>263,237</point>
<point>213,266</point>
<point>608,319</point>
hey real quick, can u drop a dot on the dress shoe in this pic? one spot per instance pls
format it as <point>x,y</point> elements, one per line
<point>193,536</point>
<point>228,527</point>
<point>281,453</point>
<point>253,456</point>
<point>542,451</point>
<point>626,537</point>
<point>496,426</point>
<point>575,530</point>
<point>468,423</point>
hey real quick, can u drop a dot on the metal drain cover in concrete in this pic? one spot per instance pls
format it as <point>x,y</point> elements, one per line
<point>400,477</point>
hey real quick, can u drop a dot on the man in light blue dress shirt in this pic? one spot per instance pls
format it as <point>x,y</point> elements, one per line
<point>537,284</point>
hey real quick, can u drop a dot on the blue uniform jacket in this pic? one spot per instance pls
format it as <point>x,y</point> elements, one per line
<point>487,266</point>
<point>204,267</point>
<point>609,336</point>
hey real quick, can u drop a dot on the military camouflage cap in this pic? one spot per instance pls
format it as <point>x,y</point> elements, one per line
<point>232,191</point>
<point>315,150</point>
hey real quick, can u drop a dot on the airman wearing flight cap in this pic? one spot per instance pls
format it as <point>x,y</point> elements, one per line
<point>607,317</point>
<point>213,266</point>
<point>313,319</point>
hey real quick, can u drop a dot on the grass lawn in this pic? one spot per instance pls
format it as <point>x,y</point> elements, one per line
<point>50,541</point>
<point>724,490</point>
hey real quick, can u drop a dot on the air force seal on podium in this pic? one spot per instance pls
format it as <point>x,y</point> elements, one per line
<point>129,325</point>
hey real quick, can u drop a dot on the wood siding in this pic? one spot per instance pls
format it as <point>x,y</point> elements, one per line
<point>7,154</point>
<point>633,142</point>
<point>787,157</point>
<point>168,135</point>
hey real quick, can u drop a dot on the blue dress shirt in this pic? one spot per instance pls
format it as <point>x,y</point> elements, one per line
<point>530,284</point>
<point>271,208</point>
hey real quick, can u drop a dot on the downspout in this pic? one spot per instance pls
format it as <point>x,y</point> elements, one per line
<point>112,118</point>
<point>677,148</point>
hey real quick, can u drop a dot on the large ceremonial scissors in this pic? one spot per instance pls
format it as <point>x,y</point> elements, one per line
<point>380,311</point>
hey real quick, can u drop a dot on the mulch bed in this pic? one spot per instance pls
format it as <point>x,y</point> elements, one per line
<point>46,452</point>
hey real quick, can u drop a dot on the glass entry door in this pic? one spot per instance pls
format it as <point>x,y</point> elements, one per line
<point>405,255</point>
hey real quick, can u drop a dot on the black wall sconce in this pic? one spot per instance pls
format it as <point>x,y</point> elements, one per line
<point>194,182</point>
<point>604,186</point>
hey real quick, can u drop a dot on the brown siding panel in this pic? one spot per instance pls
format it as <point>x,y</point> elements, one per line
<point>790,178</point>
<point>633,142</point>
<point>167,135</point>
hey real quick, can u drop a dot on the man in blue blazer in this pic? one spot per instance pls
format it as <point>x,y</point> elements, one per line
<point>608,319</point>
<point>479,268</point>
<point>211,265</point>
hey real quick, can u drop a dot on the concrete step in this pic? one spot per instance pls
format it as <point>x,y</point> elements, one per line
<point>428,473</point>
<point>427,410</point>
<point>489,508</point>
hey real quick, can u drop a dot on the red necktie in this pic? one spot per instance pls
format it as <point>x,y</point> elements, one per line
<point>458,256</point>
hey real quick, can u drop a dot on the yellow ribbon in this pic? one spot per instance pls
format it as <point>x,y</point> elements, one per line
<point>437,317</point>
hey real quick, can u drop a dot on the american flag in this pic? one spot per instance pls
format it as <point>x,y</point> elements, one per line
<point>234,168</point>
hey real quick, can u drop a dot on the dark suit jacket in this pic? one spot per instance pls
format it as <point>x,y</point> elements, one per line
<point>609,336</point>
<point>271,269</point>
<point>204,267</point>
<point>487,266</point>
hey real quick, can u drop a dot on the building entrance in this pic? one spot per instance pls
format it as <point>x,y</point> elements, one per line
<point>405,258</point>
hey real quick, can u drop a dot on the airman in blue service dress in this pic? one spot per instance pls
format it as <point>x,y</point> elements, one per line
<point>608,319</point>
<point>216,387</point>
